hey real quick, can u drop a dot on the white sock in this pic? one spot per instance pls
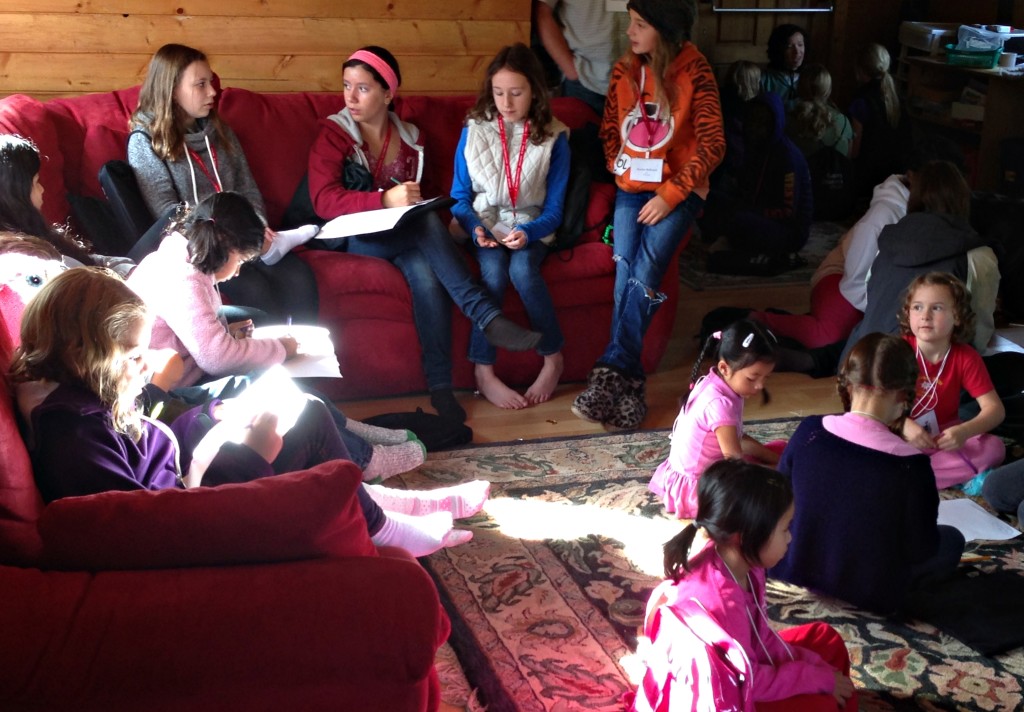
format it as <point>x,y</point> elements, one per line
<point>285,240</point>
<point>390,460</point>
<point>463,500</point>
<point>376,435</point>
<point>420,536</point>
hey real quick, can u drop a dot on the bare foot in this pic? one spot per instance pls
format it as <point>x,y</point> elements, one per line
<point>547,379</point>
<point>493,389</point>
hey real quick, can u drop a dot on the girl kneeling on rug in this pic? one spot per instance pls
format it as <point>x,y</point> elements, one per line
<point>78,372</point>
<point>710,425</point>
<point>743,516</point>
<point>509,194</point>
<point>662,134</point>
<point>937,321</point>
<point>866,505</point>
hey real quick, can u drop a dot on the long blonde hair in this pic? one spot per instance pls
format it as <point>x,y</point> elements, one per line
<point>161,116</point>
<point>874,65</point>
<point>76,331</point>
<point>812,114</point>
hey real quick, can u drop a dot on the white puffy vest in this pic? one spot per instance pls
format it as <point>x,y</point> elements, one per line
<point>487,172</point>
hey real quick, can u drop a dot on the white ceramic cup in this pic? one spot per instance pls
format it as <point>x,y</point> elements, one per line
<point>1008,59</point>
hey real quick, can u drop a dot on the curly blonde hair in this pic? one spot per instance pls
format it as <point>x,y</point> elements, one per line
<point>963,332</point>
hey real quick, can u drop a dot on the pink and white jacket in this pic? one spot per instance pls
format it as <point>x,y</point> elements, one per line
<point>185,303</point>
<point>780,671</point>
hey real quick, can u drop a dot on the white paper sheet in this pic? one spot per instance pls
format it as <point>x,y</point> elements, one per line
<point>272,392</point>
<point>316,355</point>
<point>973,521</point>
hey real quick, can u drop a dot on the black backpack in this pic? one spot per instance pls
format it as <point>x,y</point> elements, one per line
<point>832,183</point>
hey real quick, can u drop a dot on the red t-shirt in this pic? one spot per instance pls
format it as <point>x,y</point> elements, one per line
<point>964,370</point>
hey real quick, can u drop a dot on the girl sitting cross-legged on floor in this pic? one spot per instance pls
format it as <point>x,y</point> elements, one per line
<point>180,283</point>
<point>511,170</point>
<point>77,374</point>
<point>866,505</point>
<point>710,425</point>
<point>937,321</point>
<point>715,568</point>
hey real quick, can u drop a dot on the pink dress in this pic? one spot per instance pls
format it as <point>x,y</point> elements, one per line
<point>713,404</point>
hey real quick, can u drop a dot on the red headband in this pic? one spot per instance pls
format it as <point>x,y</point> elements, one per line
<point>382,68</point>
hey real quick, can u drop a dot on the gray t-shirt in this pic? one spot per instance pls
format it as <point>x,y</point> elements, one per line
<point>595,35</point>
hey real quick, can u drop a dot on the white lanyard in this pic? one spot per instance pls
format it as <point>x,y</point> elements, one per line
<point>929,398</point>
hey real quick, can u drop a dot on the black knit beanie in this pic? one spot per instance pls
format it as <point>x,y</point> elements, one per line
<point>673,19</point>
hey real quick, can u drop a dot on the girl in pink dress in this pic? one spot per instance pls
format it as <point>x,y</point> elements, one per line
<point>936,319</point>
<point>710,425</point>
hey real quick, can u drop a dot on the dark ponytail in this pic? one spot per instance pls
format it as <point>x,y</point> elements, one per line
<point>734,497</point>
<point>221,223</point>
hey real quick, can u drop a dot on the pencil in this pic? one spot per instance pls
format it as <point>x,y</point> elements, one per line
<point>395,181</point>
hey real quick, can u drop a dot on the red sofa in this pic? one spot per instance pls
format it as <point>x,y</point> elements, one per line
<point>262,596</point>
<point>364,301</point>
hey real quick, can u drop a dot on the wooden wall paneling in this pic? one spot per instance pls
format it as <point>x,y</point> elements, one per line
<point>52,33</point>
<point>61,47</point>
<point>385,9</point>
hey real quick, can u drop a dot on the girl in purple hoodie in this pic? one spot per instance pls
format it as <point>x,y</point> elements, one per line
<point>719,561</point>
<point>81,366</point>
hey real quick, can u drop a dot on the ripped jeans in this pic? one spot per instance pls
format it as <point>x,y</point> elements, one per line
<point>642,254</point>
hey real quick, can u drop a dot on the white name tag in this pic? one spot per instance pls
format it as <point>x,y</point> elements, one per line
<point>929,422</point>
<point>646,170</point>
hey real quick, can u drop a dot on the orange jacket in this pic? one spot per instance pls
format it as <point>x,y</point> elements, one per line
<point>691,141</point>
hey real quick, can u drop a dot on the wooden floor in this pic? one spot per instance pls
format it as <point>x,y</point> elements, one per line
<point>791,394</point>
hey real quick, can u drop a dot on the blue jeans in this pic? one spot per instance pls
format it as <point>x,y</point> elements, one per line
<point>499,265</point>
<point>642,253</point>
<point>432,265</point>
<point>359,450</point>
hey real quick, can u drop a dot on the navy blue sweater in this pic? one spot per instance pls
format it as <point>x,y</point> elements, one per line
<point>863,518</point>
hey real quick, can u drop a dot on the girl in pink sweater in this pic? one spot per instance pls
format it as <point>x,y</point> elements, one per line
<point>179,283</point>
<point>743,516</point>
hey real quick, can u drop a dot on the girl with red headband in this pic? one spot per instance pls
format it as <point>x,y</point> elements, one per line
<point>366,158</point>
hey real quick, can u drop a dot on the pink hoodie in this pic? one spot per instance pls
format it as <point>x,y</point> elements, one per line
<point>780,671</point>
<point>185,303</point>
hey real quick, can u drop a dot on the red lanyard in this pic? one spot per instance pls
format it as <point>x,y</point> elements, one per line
<point>217,187</point>
<point>648,124</point>
<point>383,155</point>
<point>513,186</point>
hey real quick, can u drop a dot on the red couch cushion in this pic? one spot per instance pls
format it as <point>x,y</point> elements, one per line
<point>301,515</point>
<point>20,504</point>
<point>270,126</point>
<point>28,117</point>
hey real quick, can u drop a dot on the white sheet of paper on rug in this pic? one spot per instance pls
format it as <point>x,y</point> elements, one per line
<point>316,356</point>
<point>973,521</point>
<point>370,221</point>
<point>273,392</point>
<point>1011,339</point>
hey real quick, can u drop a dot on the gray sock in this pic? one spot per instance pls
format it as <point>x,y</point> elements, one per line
<point>390,460</point>
<point>376,435</point>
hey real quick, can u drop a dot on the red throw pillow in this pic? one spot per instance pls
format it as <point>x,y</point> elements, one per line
<point>302,515</point>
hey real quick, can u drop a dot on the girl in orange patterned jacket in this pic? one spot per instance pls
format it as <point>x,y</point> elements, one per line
<point>663,136</point>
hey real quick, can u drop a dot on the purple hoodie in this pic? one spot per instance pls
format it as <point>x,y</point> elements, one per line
<point>76,451</point>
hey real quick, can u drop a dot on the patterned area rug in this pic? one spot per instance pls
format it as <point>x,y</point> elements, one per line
<point>546,599</point>
<point>692,272</point>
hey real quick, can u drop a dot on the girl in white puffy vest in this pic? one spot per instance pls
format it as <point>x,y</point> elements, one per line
<point>511,171</point>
